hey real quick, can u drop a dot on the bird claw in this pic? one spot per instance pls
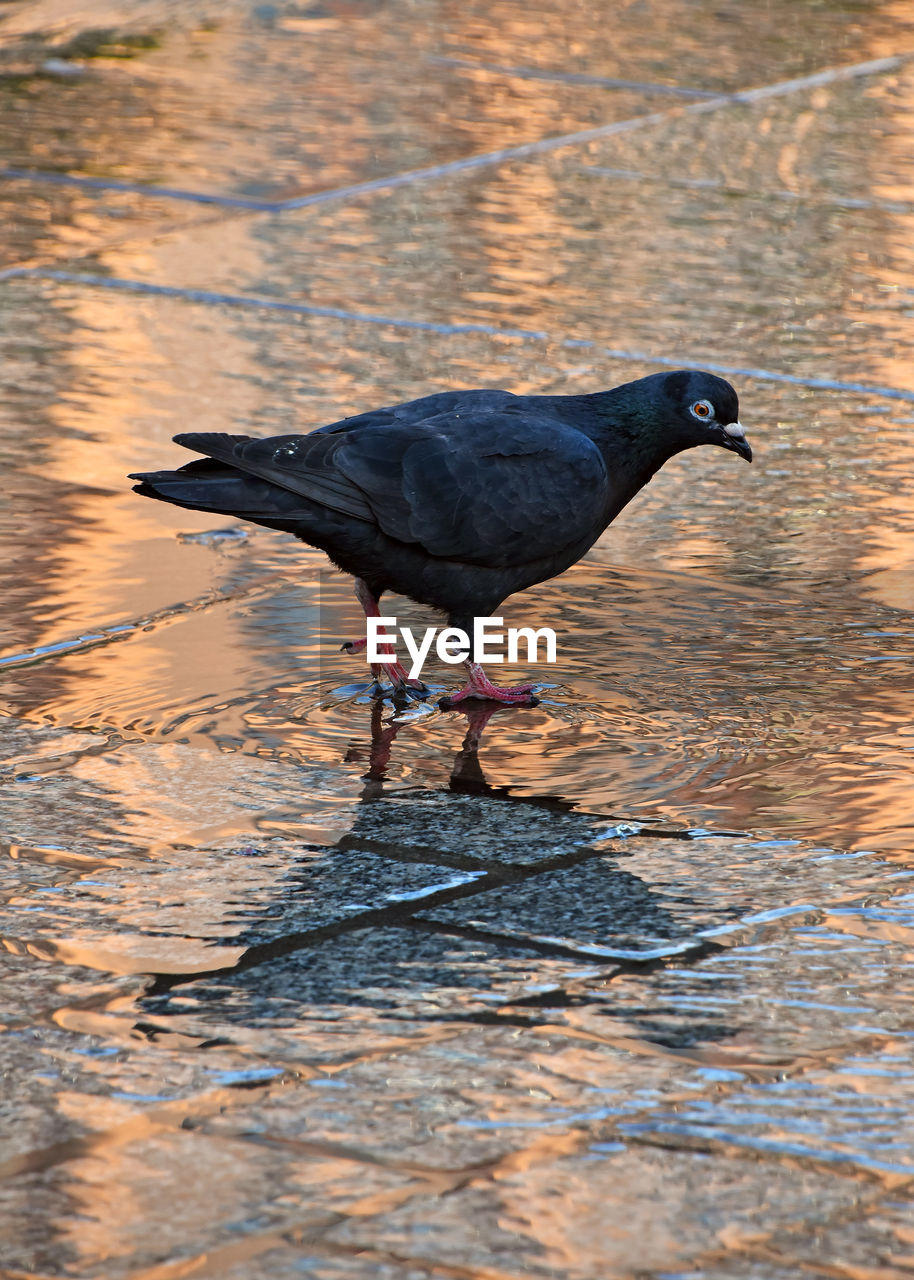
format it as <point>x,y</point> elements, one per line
<point>508,698</point>
<point>399,694</point>
<point>402,696</point>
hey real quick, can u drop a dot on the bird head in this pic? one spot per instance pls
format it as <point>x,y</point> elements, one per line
<point>704,409</point>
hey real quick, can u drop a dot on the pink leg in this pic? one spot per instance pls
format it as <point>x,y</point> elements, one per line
<point>467,774</point>
<point>382,739</point>
<point>395,672</point>
<point>480,686</point>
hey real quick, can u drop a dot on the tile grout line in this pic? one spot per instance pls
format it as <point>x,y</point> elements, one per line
<point>521,151</point>
<point>210,298</point>
<point>115,632</point>
<point>544,145</point>
<point>15,173</point>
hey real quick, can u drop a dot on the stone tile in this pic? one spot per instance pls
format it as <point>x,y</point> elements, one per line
<point>130,884</point>
<point>66,810</point>
<point>807,1032</point>
<point>46,222</point>
<point>34,990</point>
<point>469,82</point>
<point>319,108</point>
<point>399,1100</point>
<point>399,974</point>
<point>552,245</point>
<point>610,1211</point>
<point>30,1119</point>
<point>778,39</point>
<point>830,143</point>
<point>220,902</point>
<point>87,1067</point>
<point>330,886</point>
<point>661,895</point>
<point>106,1209</point>
<point>597,908</point>
<point>879,1237</point>
<point>475,1097</point>
<point>103,1107</point>
<point>655,897</point>
<point>475,830</point>
<point>853,1115</point>
<point>307,1258</point>
<point>789,993</point>
<point>872,1238</point>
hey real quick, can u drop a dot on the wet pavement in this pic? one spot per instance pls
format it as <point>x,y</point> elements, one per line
<point>618,986</point>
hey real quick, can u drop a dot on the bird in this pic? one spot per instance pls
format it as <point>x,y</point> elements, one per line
<point>460,498</point>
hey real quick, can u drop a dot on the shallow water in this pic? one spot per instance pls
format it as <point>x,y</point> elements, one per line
<point>296,982</point>
<point>733,652</point>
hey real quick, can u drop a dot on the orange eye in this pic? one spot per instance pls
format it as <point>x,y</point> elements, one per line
<point>702,409</point>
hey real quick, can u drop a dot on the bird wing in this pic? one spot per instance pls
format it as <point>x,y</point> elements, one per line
<point>299,464</point>
<point>485,486</point>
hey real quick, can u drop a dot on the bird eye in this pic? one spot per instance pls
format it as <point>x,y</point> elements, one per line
<point>702,409</point>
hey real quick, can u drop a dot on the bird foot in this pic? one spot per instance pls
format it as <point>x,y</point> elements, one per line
<point>400,689</point>
<point>378,690</point>
<point>522,696</point>
<point>480,686</point>
<point>412,689</point>
<point>399,678</point>
<point>400,695</point>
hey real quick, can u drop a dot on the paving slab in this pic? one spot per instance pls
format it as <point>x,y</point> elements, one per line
<point>34,992</point>
<point>645,903</point>
<point>635,1211</point>
<point>478,831</point>
<point>485,1096</point>
<point>856,1117</point>
<point>104,1205</point>
<point>48,221</point>
<point>312,1259</point>
<point>54,779</point>
<point>359,1028</point>
<point>815,993</point>
<point>878,1237</point>
<point>834,146</point>
<point>543,244</point>
<point>780,39</point>
<point>263,103</point>
<point>557,275</point>
<point>597,909</point>
<point>815,1066</point>
<point>410,975</point>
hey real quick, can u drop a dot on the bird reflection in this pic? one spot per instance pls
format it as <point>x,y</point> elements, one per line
<point>466,775</point>
<point>465,899</point>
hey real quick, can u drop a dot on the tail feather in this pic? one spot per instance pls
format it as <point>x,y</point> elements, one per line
<point>207,485</point>
<point>215,444</point>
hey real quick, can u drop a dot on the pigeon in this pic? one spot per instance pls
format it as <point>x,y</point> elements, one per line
<point>461,498</point>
